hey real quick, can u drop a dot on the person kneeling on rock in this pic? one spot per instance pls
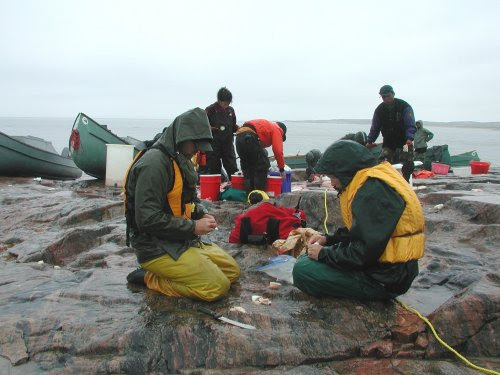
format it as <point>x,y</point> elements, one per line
<point>375,256</point>
<point>165,219</point>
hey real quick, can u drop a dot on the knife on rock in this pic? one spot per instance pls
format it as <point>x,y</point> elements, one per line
<point>218,316</point>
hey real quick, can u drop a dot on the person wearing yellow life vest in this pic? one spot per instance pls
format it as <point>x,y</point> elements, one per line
<point>375,257</point>
<point>166,220</point>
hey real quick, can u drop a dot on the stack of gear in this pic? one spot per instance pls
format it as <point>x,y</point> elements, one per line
<point>265,223</point>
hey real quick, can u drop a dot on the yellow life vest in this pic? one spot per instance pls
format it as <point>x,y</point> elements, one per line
<point>174,196</point>
<point>407,240</point>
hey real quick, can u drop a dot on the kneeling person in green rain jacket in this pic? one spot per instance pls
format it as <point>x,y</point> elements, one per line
<point>165,220</point>
<point>375,256</point>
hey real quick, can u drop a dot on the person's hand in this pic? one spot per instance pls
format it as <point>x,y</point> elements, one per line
<point>408,146</point>
<point>205,225</point>
<point>313,250</point>
<point>282,175</point>
<point>370,145</point>
<point>317,238</point>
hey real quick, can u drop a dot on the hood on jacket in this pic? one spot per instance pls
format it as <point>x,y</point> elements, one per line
<point>343,159</point>
<point>419,124</point>
<point>313,156</point>
<point>192,125</point>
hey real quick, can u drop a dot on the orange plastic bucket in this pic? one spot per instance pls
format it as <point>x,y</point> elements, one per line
<point>479,167</point>
<point>273,188</point>
<point>237,182</point>
<point>439,168</point>
<point>210,186</point>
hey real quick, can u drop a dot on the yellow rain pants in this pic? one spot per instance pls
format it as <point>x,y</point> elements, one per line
<point>204,272</point>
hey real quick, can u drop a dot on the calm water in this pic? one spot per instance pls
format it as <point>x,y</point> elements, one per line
<point>301,136</point>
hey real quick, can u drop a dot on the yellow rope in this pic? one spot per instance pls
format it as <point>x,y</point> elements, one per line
<point>482,369</point>
<point>326,215</point>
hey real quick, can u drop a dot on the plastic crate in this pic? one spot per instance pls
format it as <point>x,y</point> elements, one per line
<point>439,168</point>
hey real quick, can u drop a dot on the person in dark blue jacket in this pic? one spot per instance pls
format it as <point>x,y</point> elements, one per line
<point>394,118</point>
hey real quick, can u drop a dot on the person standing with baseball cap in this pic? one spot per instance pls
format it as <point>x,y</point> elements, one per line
<point>395,119</point>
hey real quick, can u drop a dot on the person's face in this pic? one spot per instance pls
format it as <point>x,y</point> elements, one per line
<point>388,98</point>
<point>224,105</point>
<point>337,185</point>
<point>187,148</point>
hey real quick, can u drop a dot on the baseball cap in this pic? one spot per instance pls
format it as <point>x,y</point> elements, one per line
<point>386,89</point>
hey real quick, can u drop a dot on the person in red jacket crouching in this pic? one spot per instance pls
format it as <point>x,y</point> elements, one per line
<point>252,139</point>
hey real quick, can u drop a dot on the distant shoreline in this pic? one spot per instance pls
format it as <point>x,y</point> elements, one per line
<point>495,125</point>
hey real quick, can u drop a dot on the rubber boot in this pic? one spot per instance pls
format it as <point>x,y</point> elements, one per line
<point>137,276</point>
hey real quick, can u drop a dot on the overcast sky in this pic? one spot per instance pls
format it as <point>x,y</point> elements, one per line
<point>281,59</point>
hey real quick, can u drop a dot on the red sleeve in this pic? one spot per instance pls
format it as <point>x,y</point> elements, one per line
<point>277,140</point>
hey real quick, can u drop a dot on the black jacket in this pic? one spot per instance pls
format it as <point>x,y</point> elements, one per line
<point>222,121</point>
<point>392,126</point>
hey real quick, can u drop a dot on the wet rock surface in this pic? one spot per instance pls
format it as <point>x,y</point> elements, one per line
<point>66,307</point>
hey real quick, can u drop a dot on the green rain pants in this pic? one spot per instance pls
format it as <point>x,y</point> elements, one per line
<point>319,279</point>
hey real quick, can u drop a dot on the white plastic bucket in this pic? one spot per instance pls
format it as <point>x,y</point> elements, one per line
<point>118,159</point>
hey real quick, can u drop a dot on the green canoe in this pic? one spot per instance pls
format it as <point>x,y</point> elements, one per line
<point>34,157</point>
<point>442,155</point>
<point>299,161</point>
<point>296,161</point>
<point>463,160</point>
<point>293,161</point>
<point>87,145</point>
<point>436,153</point>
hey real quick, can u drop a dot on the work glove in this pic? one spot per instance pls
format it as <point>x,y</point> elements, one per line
<point>199,211</point>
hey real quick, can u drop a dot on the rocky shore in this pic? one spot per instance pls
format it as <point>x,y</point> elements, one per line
<point>66,308</point>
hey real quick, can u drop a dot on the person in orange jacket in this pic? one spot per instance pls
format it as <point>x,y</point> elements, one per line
<point>252,139</point>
